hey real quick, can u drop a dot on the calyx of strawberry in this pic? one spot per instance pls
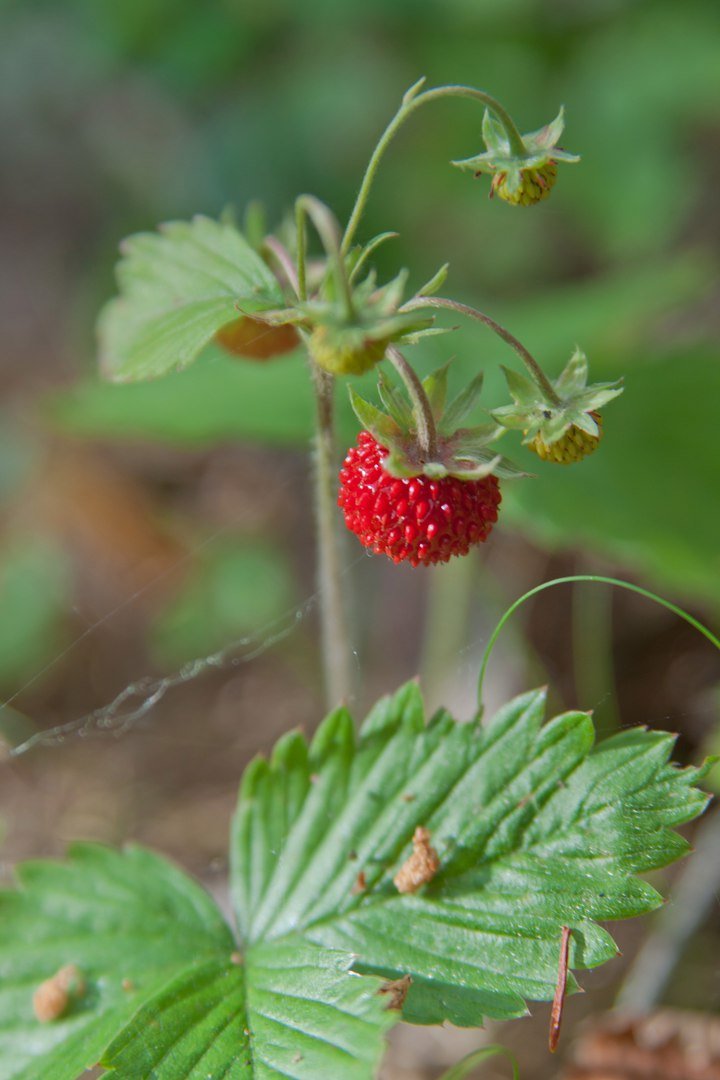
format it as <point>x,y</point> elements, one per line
<point>466,453</point>
<point>538,413</point>
<point>520,177</point>
<point>349,333</point>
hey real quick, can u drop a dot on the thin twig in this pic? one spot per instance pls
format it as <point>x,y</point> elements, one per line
<point>559,999</point>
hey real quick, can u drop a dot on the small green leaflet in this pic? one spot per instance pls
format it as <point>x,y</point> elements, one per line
<point>177,287</point>
<point>535,829</point>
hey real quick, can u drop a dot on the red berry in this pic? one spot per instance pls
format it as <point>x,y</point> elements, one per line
<point>421,520</point>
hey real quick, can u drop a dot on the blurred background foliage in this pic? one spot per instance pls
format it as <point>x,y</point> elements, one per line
<point>145,525</point>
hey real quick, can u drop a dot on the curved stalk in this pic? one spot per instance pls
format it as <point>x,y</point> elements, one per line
<point>410,103</point>
<point>536,372</point>
<point>603,581</point>
<point>282,256</point>
<point>422,412</point>
<point>329,232</point>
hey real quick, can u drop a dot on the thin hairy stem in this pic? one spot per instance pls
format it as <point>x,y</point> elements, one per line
<point>328,230</point>
<point>603,581</point>
<point>536,372</point>
<point>410,104</point>
<point>334,630</point>
<point>422,412</point>
<point>282,256</point>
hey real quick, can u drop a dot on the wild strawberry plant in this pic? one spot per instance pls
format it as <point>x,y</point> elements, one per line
<point>417,867</point>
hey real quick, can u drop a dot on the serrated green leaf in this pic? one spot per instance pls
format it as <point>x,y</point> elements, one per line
<point>177,287</point>
<point>534,828</point>
<point>167,995</point>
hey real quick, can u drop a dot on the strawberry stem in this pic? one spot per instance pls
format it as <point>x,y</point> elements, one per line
<point>603,581</point>
<point>328,230</point>
<point>422,410</point>
<point>536,372</point>
<point>333,617</point>
<point>334,633</point>
<point>410,103</point>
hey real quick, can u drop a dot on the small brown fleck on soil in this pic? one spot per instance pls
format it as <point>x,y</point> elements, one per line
<point>52,998</point>
<point>421,866</point>
<point>397,990</point>
<point>360,884</point>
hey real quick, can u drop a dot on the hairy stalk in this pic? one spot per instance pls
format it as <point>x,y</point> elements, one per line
<point>329,232</point>
<point>411,102</point>
<point>334,633</point>
<point>536,372</point>
<point>602,581</point>
<point>333,629</point>
<point>284,260</point>
<point>426,430</point>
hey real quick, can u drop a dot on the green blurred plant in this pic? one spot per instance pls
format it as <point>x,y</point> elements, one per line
<point>493,844</point>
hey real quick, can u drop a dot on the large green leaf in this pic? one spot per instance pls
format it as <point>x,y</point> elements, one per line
<point>535,829</point>
<point>177,287</point>
<point>166,993</point>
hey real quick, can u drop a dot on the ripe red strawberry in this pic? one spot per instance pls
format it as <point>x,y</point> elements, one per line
<point>418,519</point>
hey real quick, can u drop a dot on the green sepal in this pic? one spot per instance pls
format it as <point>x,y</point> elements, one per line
<point>394,403</point>
<point>435,387</point>
<point>463,404</point>
<point>360,256</point>
<point>465,453</point>
<point>435,283</point>
<point>535,413</point>
<point>539,149</point>
<point>381,426</point>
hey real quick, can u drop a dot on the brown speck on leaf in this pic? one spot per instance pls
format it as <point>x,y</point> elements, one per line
<point>396,990</point>
<point>523,802</point>
<point>360,884</point>
<point>297,1058</point>
<point>127,985</point>
<point>314,777</point>
<point>421,866</point>
<point>52,998</point>
<point>235,958</point>
<point>409,797</point>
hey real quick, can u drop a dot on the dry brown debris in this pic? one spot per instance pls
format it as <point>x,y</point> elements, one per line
<point>52,998</point>
<point>397,990</point>
<point>667,1044</point>
<point>421,866</point>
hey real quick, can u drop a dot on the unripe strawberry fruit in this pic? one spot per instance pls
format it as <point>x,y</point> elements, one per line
<point>418,519</point>
<point>575,444</point>
<point>256,340</point>
<point>535,185</point>
<point>339,358</point>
